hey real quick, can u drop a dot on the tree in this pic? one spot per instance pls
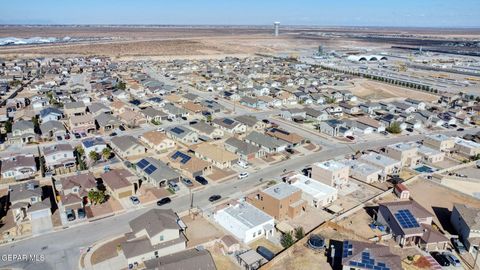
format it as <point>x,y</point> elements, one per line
<point>8,126</point>
<point>106,153</point>
<point>287,240</point>
<point>299,233</point>
<point>330,100</point>
<point>93,156</point>
<point>121,85</point>
<point>96,196</point>
<point>394,128</point>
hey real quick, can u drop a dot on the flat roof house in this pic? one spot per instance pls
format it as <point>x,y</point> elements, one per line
<point>388,165</point>
<point>317,194</point>
<point>407,153</point>
<point>281,201</point>
<point>363,171</point>
<point>331,172</point>
<point>440,142</point>
<point>127,146</point>
<point>245,221</point>
<point>465,219</point>
<point>466,147</point>
<point>156,233</point>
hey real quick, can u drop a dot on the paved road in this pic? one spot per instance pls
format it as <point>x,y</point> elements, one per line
<point>62,248</point>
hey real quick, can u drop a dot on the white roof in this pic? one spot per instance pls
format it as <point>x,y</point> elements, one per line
<point>247,214</point>
<point>427,151</point>
<point>439,137</point>
<point>330,165</point>
<point>467,143</point>
<point>362,168</point>
<point>312,187</point>
<point>379,159</point>
<point>403,146</point>
<point>281,190</point>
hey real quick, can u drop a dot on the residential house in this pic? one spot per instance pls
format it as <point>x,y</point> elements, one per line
<point>19,167</point>
<point>154,115</point>
<point>174,112</point>
<point>267,143</point>
<point>244,150</point>
<point>119,183</point>
<point>59,156</point>
<point>132,118</point>
<point>156,172</point>
<point>190,165</point>
<point>95,144</point>
<point>106,122</point>
<point>217,156</point>
<point>293,114</point>
<point>27,202</point>
<point>74,108</point>
<point>53,129</point>
<point>229,125</point>
<point>364,171</point>
<point>293,139</point>
<point>331,172</point>
<point>182,134</point>
<point>280,201</point>
<point>335,128</point>
<point>365,255</point>
<point>82,123</point>
<point>251,122</point>
<point>410,224</point>
<point>50,114</point>
<point>73,191</point>
<point>97,108</point>
<point>315,193</point>
<point>245,221</point>
<point>430,155</point>
<point>466,147</point>
<point>196,258</point>
<point>389,166</point>
<point>157,141</point>
<point>206,131</point>
<point>407,153</point>
<point>154,234</point>
<point>440,142</point>
<point>22,132</point>
<point>127,146</point>
<point>465,221</point>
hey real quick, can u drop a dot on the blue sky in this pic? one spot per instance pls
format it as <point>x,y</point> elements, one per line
<point>413,13</point>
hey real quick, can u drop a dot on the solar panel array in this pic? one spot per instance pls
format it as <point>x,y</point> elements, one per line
<point>368,263</point>
<point>177,130</point>
<point>406,219</point>
<point>347,249</point>
<point>150,169</point>
<point>185,158</point>
<point>143,163</point>
<point>228,121</point>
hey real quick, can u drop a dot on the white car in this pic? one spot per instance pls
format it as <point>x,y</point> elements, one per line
<point>243,175</point>
<point>242,164</point>
<point>161,129</point>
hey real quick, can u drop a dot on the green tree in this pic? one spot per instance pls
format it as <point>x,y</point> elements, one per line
<point>8,126</point>
<point>93,156</point>
<point>96,196</point>
<point>394,128</point>
<point>330,100</point>
<point>121,85</point>
<point>287,240</point>
<point>299,233</point>
<point>106,153</point>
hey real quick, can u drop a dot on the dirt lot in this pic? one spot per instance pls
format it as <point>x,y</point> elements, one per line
<point>107,251</point>
<point>439,200</point>
<point>264,242</point>
<point>371,90</point>
<point>200,231</point>
<point>221,260</point>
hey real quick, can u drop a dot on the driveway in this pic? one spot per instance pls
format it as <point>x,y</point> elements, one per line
<point>42,225</point>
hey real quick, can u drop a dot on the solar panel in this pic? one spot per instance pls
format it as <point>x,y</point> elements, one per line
<point>406,219</point>
<point>185,158</point>
<point>142,163</point>
<point>150,169</point>
<point>177,130</point>
<point>228,121</point>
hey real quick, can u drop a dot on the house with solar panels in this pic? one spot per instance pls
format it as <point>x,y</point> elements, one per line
<point>190,166</point>
<point>229,125</point>
<point>182,134</point>
<point>411,225</point>
<point>156,172</point>
<point>363,255</point>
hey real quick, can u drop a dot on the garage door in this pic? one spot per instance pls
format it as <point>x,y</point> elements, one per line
<point>124,194</point>
<point>41,213</point>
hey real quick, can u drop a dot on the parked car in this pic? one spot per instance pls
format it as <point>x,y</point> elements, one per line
<point>122,128</point>
<point>164,201</point>
<point>134,200</point>
<point>81,213</point>
<point>214,198</point>
<point>265,252</point>
<point>77,136</point>
<point>289,150</point>
<point>384,133</point>
<point>441,259</point>
<point>184,118</point>
<point>351,138</point>
<point>113,134</point>
<point>160,129</point>
<point>173,186</point>
<point>460,129</point>
<point>243,175</point>
<point>266,121</point>
<point>458,245</point>
<point>187,182</point>
<point>83,134</point>
<point>70,215</point>
<point>452,258</point>
<point>201,180</point>
<point>242,163</point>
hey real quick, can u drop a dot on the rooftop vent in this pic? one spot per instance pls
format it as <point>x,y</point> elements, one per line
<point>276,190</point>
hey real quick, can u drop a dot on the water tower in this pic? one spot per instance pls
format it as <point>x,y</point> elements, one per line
<point>276,25</point>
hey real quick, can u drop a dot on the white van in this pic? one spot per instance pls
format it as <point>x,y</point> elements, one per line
<point>242,163</point>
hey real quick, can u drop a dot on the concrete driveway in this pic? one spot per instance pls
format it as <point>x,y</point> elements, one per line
<point>42,225</point>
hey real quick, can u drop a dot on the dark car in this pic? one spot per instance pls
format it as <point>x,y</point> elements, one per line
<point>184,118</point>
<point>214,198</point>
<point>201,180</point>
<point>441,259</point>
<point>289,150</point>
<point>266,121</point>
<point>70,216</point>
<point>265,252</point>
<point>122,128</point>
<point>164,201</point>
<point>351,138</point>
<point>460,129</point>
<point>113,134</point>
<point>459,247</point>
<point>81,213</point>
<point>77,136</point>
<point>410,129</point>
